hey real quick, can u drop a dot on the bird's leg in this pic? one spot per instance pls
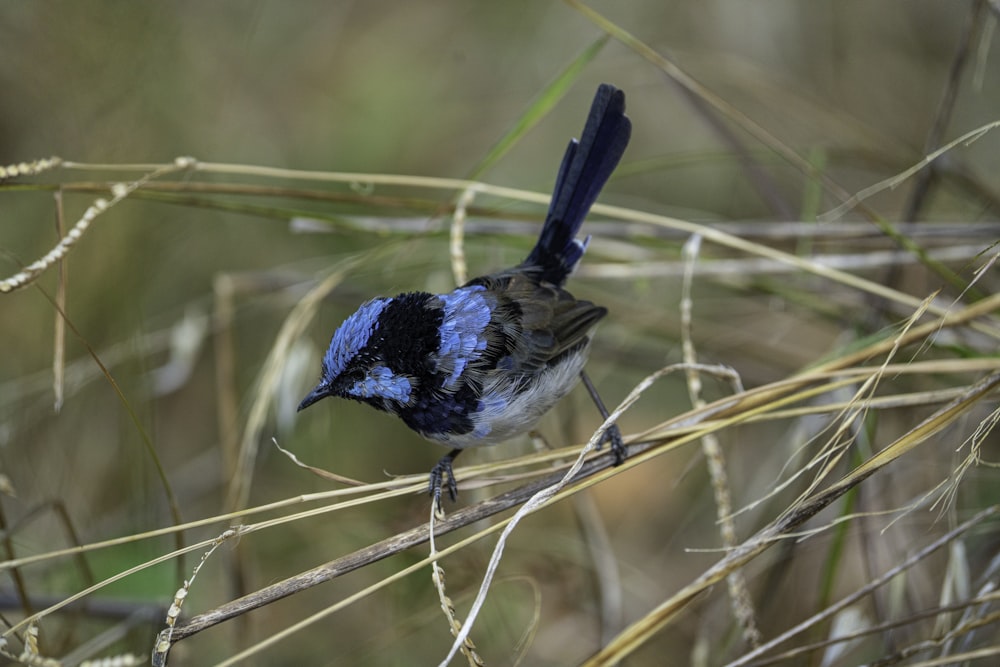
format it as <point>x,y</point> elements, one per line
<point>441,474</point>
<point>612,435</point>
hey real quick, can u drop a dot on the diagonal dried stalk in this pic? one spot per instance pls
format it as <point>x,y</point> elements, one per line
<point>781,529</point>
<point>380,550</point>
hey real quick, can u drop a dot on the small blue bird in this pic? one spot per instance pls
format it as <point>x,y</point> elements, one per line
<point>483,363</point>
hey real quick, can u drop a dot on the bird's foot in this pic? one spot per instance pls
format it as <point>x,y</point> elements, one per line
<point>614,436</point>
<point>442,475</point>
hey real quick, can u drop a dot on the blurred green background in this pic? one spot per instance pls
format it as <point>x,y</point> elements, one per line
<point>426,89</point>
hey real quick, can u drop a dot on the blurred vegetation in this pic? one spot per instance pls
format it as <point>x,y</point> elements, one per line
<point>182,289</point>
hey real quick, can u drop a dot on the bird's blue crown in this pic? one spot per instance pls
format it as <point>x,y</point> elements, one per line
<point>351,337</point>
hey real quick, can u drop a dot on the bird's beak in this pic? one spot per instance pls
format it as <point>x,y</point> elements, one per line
<point>321,391</point>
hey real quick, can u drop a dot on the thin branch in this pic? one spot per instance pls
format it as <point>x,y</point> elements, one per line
<point>383,549</point>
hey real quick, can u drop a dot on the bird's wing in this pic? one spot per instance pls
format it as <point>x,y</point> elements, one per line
<point>534,324</point>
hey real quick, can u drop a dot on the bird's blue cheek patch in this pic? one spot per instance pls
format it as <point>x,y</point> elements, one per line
<point>466,315</point>
<point>383,383</point>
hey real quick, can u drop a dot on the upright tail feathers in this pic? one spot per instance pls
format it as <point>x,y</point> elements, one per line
<point>585,169</point>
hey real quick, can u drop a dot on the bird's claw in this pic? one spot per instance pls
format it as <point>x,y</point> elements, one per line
<point>614,436</point>
<point>441,475</point>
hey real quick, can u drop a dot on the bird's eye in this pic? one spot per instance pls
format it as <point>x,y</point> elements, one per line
<point>354,375</point>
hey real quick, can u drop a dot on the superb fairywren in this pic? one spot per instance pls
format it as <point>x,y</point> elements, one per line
<point>483,363</point>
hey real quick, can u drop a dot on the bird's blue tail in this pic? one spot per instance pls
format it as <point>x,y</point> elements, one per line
<point>585,169</point>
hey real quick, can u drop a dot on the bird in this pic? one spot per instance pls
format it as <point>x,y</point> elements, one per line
<point>482,363</point>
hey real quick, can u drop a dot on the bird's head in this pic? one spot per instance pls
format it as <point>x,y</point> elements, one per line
<point>355,367</point>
